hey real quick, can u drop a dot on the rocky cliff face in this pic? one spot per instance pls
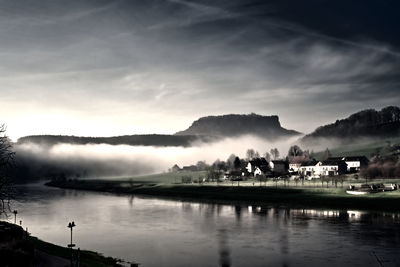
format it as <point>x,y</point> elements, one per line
<point>235,125</point>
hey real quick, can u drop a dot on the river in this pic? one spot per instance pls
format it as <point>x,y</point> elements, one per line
<point>159,232</point>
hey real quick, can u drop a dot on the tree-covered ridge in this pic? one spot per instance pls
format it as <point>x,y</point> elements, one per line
<point>235,125</point>
<point>366,123</point>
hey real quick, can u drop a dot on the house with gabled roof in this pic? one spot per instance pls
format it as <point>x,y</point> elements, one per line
<point>257,166</point>
<point>354,163</point>
<point>279,167</point>
<point>309,168</point>
<point>332,167</point>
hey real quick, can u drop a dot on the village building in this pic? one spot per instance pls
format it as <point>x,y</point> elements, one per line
<point>332,167</point>
<point>257,166</point>
<point>191,168</point>
<point>309,168</point>
<point>354,163</point>
<point>294,167</point>
<point>175,168</point>
<point>279,167</point>
<point>262,170</point>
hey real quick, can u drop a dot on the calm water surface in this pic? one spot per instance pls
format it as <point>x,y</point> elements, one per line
<point>158,232</point>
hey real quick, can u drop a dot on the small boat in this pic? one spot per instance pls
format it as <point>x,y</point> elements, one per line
<point>357,192</point>
<point>363,190</point>
<point>370,189</point>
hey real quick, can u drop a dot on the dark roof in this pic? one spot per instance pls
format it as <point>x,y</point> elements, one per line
<point>264,168</point>
<point>190,168</point>
<point>356,158</point>
<point>332,162</point>
<point>258,162</point>
<point>278,161</point>
<point>350,158</point>
<point>335,158</point>
<point>312,162</point>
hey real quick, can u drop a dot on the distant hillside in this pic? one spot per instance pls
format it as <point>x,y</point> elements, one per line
<point>232,125</point>
<point>368,123</point>
<point>134,140</point>
<point>384,147</point>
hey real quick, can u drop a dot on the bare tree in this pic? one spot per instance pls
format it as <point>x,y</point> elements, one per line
<point>327,154</point>
<point>267,156</point>
<point>275,153</point>
<point>295,151</point>
<point>250,153</point>
<point>230,161</point>
<point>6,162</point>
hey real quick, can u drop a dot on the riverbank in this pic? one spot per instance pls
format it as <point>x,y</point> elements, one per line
<point>293,197</point>
<point>18,248</point>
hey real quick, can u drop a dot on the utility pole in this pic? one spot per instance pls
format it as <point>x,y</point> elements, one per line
<point>71,245</point>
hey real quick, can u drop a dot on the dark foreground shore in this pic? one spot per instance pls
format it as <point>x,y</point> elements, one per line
<point>331,198</point>
<point>18,248</point>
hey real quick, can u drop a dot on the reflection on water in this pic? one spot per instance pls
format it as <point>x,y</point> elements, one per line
<point>159,232</point>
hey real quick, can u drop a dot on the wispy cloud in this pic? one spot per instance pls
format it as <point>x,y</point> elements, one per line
<point>154,66</point>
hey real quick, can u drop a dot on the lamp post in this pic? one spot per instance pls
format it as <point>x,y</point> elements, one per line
<point>71,245</point>
<point>15,216</point>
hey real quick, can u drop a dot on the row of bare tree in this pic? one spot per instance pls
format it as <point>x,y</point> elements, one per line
<point>6,163</point>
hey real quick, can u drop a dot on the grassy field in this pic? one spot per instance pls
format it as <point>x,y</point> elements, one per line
<point>88,258</point>
<point>160,178</point>
<point>311,194</point>
<point>172,178</point>
<point>18,249</point>
<point>167,178</point>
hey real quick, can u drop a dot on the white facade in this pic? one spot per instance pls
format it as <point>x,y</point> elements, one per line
<point>355,165</point>
<point>257,171</point>
<point>329,170</point>
<point>319,169</point>
<point>271,165</point>
<point>312,170</point>
<point>249,168</point>
<point>294,167</point>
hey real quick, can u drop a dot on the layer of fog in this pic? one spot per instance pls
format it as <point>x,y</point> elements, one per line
<point>107,160</point>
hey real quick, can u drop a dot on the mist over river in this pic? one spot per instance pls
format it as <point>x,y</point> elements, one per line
<point>159,232</point>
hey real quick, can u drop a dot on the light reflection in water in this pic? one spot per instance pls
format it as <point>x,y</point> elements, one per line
<point>157,232</point>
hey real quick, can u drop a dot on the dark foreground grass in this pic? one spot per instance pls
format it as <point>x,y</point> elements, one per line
<point>292,197</point>
<point>17,248</point>
<point>88,258</point>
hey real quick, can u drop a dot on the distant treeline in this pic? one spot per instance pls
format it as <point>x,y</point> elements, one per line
<point>133,140</point>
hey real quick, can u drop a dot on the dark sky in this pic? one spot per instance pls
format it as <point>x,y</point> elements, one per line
<point>123,67</point>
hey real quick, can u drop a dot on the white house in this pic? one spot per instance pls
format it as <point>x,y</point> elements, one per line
<point>294,167</point>
<point>309,168</point>
<point>257,171</point>
<point>257,166</point>
<point>249,167</point>
<point>354,163</point>
<point>332,167</point>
